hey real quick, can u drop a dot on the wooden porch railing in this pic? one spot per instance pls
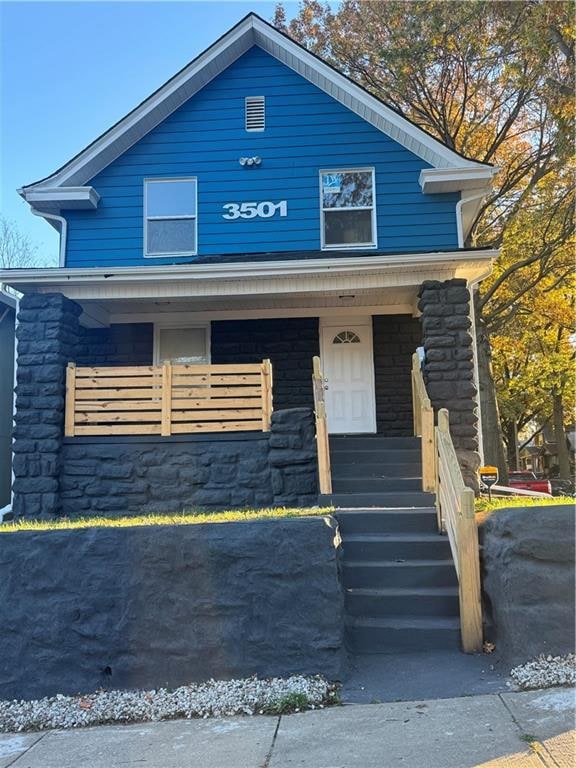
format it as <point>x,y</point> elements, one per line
<point>455,508</point>
<point>424,425</point>
<point>168,399</point>
<point>324,472</point>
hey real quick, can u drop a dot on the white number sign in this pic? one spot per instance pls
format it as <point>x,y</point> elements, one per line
<point>252,210</point>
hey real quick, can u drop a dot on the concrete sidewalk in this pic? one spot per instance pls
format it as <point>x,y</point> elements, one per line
<point>505,730</point>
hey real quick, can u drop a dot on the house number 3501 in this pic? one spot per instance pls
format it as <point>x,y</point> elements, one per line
<point>263,210</point>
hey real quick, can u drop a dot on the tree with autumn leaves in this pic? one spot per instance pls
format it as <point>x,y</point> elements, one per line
<point>494,81</point>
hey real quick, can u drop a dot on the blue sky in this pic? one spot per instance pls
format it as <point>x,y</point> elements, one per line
<point>69,70</point>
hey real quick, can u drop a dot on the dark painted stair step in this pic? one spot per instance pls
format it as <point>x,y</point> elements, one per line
<point>387,546</point>
<point>373,442</point>
<point>399,634</point>
<point>391,573</point>
<point>384,602</point>
<point>376,469</point>
<point>377,520</point>
<point>340,455</point>
<point>374,484</point>
<point>384,499</point>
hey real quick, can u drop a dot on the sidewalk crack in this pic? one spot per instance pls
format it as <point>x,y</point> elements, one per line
<point>541,744</point>
<point>268,757</point>
<point>38,740</point>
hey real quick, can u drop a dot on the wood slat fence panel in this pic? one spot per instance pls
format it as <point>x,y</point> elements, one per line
<point>168,399</point>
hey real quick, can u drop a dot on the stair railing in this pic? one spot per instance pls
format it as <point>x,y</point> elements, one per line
<point>424,426</point>
<point>454,506</point>
<point>322,444</point>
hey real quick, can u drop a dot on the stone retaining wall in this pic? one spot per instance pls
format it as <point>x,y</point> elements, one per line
<point>165,605</point>
<point>528,565</point>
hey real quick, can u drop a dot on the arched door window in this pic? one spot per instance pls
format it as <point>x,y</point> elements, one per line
<point>346,337</point>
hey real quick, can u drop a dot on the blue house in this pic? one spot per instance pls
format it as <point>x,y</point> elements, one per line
<point>260,206</point>
<point>253,263</point>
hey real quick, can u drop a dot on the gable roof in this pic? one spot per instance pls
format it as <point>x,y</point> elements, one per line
<point>251,30</point>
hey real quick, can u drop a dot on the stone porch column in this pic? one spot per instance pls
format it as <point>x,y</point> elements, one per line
<point>448,367</point>
<point>47,336</point>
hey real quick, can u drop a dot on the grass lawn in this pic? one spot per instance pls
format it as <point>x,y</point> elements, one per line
<point>185,518</point>
<point>485,507</point>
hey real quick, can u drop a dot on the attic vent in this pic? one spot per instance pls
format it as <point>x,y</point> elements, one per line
<point>254,113</point>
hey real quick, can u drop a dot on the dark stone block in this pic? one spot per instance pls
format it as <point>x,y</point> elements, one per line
<point>528,564</point>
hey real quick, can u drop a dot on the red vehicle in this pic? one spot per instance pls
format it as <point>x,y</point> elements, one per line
<point>527,481</point>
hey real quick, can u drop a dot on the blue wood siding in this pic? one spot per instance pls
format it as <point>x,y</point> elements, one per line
<point>306,130</point>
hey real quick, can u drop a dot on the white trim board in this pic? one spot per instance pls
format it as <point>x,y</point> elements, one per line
<point>32,279</point>
<point>252,30</point>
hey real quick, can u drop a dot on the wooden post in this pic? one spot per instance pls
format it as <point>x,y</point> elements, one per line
<point>266,379</point>
<point>443,429</point>
<point>415,394</point>
<point>322,441</point>
<point>70,414</point>
<point>428,449</point>
<point>166,428</point>
<point>469,576</point>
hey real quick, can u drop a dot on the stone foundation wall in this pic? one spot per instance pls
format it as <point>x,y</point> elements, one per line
<point>528,576</point>
<point>135,475</point>
<point>396,338</point>
<point>154,606</point>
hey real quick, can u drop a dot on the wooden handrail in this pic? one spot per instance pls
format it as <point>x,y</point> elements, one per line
<point>168,399</point>
<point>322,444</point>
<point>441,473</point>
<point>424,425</point>
<point>456,511</point>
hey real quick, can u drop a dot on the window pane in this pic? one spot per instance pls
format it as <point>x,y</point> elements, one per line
<point>183,345</point>
<point>347,190</point>
<point>348,227</point>
<point>171,236</point>
<point>171,198</point>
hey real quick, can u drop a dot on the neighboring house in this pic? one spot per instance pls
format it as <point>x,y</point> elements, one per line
<point>7,321</point>
<point>541,453</point>
<point>258,206</point>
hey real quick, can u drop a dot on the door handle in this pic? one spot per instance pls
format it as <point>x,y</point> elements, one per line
<point>325,386</point>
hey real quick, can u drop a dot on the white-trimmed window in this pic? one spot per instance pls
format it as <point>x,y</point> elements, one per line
<point>170,220</point>
<point>181,345</point>
<point>348,208</point>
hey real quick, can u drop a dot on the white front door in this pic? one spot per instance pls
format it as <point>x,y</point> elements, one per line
<point>348,368</point>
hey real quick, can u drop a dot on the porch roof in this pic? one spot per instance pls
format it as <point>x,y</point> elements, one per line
<point>318,281</point>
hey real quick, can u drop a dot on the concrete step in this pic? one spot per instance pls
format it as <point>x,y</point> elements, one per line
<point>382,499</point>
<point>374,484</point>
<point>385,601</point>
<point>394,574</point>
<point>395,546</point>
<point>400,634</point>
<point>383,520</point>
<point>371,468</point>
<point>372,442</point>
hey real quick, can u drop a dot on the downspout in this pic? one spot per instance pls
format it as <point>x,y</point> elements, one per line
<point>63,231</point>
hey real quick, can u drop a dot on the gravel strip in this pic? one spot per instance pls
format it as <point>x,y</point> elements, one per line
<point>545,672</point>
<point>211,699</point>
